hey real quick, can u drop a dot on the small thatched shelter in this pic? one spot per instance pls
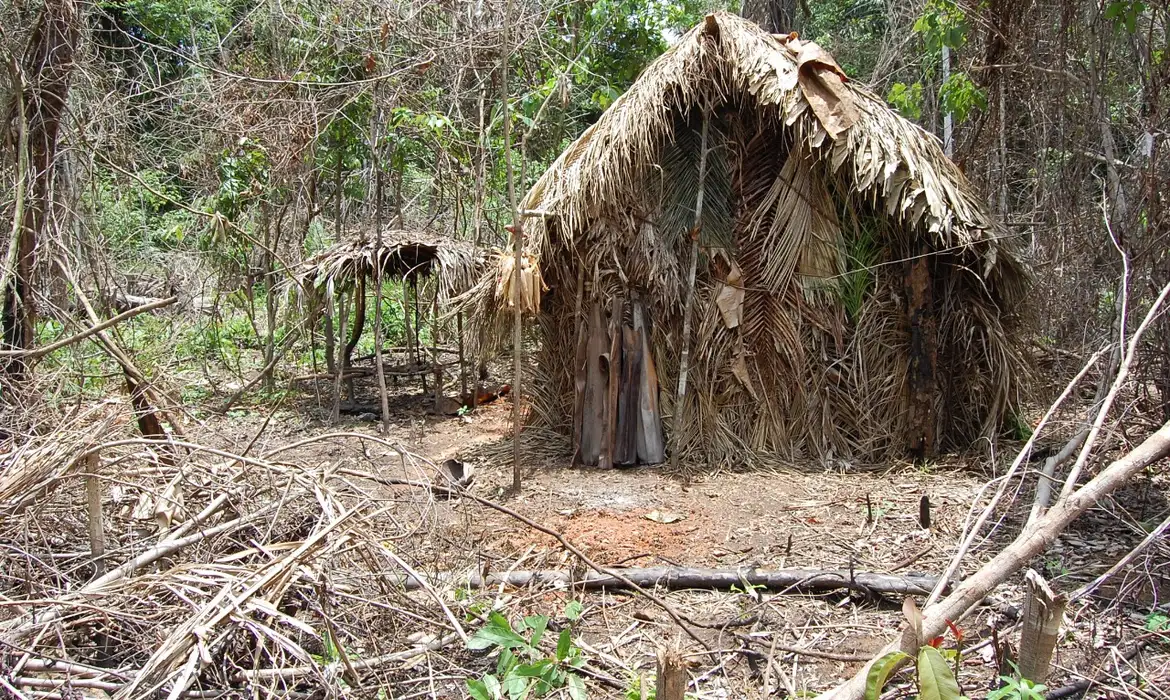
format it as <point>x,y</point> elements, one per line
<point>343,271</point>
<point>849,295</point>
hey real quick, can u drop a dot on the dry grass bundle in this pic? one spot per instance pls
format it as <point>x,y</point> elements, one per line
<point>30,469</point>
<point>816,195</point>
<point>532,285</point>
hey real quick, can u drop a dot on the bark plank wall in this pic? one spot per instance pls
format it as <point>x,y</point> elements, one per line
<point>616,415</point>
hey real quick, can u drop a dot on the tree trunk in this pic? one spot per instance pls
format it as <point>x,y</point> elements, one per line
<point>775,16</point>
<point>47,68</point>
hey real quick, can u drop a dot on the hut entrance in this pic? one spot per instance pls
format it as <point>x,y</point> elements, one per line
<point>616,419</point>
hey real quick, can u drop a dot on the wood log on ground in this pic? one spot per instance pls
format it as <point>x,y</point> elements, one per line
<point>678,578</point>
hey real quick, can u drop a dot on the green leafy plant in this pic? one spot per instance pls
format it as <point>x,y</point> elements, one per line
<point>1016,687</point>
<point>522,669</point>
<point>960,96</point>
<point>907,99</point>
<point>1125,13</point>
<point>1158,622</point>
<point>935,668</point>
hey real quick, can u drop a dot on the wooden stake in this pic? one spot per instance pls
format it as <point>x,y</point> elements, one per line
<point>435,348</point>
<point>671,683</point>
<point>1043,613</point>
<point>462,354</point>
<point>342,312</point>
<point>924,512</point>
<point>684,361</point>
<point>97,531</point>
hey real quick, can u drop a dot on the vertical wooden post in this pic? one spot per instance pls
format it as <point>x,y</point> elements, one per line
<point>438,367</point>
<point>342,312</point>
<point>517,257</point>
<point>462,355</point>
<point>921,381</point>
<point>685,359</point>
<point>671,683</point>
<point>1043,613</point>
<point>379,338</point>
<point>97,530</point>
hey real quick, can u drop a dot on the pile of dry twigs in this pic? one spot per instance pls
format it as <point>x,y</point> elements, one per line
<point>136,568</point>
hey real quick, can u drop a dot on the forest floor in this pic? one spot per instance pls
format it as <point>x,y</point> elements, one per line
<point>796,518</point>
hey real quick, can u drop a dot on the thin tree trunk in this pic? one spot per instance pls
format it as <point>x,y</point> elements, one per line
<point>383,392</point>
<point>517,252</point>
<point>48,66</point>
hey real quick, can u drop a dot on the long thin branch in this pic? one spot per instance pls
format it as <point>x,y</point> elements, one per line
<point>973,534</point>
<point>129,313</point>
<point>1122,372</point>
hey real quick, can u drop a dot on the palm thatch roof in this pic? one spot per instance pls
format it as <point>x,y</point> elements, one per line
<point>816,196</point>
<point>456,264</point>
<point>881,155</point>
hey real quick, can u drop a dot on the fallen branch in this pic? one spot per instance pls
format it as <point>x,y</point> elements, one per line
<point>679,578</point>
<point>390,481</point>
<point>131,313</point>
<point>1032,541</point>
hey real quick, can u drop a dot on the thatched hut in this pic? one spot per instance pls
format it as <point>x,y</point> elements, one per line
<point>340,276</point>
<point>849,296</point>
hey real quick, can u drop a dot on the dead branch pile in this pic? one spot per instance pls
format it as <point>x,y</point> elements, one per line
<point>222,573</point>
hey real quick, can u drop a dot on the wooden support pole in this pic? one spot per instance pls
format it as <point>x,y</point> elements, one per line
<point>921,438</point>
<point>462,354</point>
<point>1043,613</point>
<point>97,530</point>
<point>685,359</point>
<point>342,312</point>
<point>438,366</point>
<point>517,257</point>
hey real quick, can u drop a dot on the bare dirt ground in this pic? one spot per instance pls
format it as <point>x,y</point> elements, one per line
<point>767,520</point>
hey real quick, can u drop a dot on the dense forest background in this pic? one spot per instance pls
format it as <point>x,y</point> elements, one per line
<point>204,147</point>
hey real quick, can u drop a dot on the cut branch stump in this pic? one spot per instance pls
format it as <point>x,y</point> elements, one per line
<point>1043,613</point>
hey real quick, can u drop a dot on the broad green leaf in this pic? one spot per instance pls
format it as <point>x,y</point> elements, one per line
<point>515,686</point>
<point>506,662</point>
<point>935,680</point>
<point>497,632</point>
<point>478,690</point>
<point>880,672</point>
<point>492,684</point>
<point>536,623</point>
<point>536,669</point>
<point>573,610</point>
<point>577,687</point>
<point>564,643</point>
